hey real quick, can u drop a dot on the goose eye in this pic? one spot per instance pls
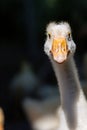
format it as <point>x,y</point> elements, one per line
<point>69,37</point>
<point>49,35</point>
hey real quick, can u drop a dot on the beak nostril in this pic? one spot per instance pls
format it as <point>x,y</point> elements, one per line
<point>63,49</point>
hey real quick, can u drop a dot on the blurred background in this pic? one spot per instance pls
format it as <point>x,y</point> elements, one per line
<point>25,70</point>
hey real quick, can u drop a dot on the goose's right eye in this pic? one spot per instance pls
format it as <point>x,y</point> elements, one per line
<point>49,36</point>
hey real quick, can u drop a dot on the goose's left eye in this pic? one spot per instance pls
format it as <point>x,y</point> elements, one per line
<point>69,37</point>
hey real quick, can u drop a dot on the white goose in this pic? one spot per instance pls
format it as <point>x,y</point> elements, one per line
<point>60,48</point>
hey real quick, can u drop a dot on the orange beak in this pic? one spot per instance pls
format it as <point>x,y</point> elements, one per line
<point>59,50</point>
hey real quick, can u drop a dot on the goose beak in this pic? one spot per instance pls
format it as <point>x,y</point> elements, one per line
<point>59,50</point>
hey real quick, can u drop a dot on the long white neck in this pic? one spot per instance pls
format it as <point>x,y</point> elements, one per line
<point>69,87</point>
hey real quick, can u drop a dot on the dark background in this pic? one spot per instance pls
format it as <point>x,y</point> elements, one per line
<point>22,36</point>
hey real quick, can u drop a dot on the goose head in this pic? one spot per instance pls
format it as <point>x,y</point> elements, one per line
<point>59,44</point>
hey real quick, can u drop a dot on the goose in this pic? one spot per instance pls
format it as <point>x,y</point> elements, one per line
<point>1,119</point>
<point>41,114</point>
<point>84,80</point>
<point>24,82</point>
<point>60,48</point>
